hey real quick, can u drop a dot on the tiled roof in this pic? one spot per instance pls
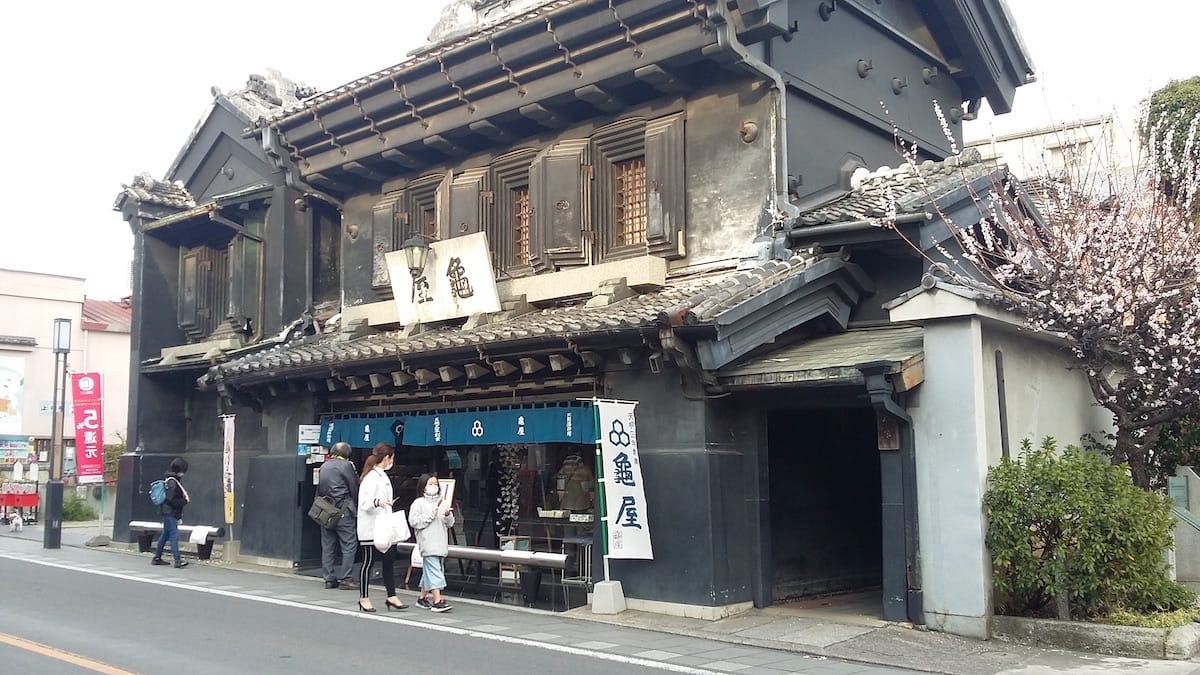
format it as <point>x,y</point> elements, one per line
<point>18,340</point>
<point>421,57</point>
<point>909,188</point>
<point>698,300</point>
<point>148,190</point>
<point>115,317</point>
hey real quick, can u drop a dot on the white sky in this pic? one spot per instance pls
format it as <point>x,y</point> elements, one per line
<point>96,92</point>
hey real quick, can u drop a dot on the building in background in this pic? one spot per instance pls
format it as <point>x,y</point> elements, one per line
<point>29,303</point>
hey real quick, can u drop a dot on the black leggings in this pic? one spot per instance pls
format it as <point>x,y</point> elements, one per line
<point>369,553</point>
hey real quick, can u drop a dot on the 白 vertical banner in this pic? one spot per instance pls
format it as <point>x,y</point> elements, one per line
<point>227,467</point>
<point>89,427</point>
<point>627,523</point>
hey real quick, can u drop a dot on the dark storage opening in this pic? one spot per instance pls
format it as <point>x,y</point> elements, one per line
<point>824,502</point>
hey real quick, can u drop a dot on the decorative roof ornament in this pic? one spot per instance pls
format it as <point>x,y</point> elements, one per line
<point>464,17</point>
<point>266,93</point>
<point>149,190</point>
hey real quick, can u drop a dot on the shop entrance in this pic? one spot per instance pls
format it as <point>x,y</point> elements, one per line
<point>825,531</point>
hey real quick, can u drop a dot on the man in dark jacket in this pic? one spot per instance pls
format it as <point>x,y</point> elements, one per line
<point>172,512</point>
<point>339,482</point>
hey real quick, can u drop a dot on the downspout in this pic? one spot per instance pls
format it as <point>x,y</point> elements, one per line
<point>784,213</point>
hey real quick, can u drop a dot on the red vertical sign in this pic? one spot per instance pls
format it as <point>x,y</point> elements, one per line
<point>89,427</point>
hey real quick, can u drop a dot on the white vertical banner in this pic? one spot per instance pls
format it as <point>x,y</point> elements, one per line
<point>626,520</point>
<point>227,467</point>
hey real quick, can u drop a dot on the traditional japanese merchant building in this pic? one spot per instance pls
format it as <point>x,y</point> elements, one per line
<point>674,203</point>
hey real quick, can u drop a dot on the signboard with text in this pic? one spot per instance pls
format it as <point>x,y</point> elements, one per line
<point>227,426</point>
<point>627,525</point>
<point>87,399</point>
<point>457,281</point>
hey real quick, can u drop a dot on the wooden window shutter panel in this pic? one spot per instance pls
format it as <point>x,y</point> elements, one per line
<point>666,180</point>
<point>189,271</point>
<point>560,189</point>
<point>384,226</point>
<point>467,212</point>
<point>443,206</point>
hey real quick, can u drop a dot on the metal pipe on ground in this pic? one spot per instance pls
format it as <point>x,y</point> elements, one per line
<point>554,561</point>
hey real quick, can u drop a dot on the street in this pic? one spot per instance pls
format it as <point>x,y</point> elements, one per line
<point>78,610</point>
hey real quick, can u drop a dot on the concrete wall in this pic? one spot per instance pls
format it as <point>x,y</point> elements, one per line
<point>107,352</point>
<point>956,423</point>
<point>1045,394</point>
<point>29,303</point>
<point>949,412</point>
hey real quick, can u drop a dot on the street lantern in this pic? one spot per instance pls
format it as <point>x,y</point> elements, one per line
<point>416,253</point>
<point>52,521</point>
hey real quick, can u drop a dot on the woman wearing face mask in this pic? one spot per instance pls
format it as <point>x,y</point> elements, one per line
<point>430,519</point>
<point>375,498</point>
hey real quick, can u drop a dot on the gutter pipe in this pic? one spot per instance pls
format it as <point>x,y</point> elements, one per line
<point>727,39</point>
<point>809,231</point>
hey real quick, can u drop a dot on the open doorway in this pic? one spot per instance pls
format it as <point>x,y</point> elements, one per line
<point>825,532</point>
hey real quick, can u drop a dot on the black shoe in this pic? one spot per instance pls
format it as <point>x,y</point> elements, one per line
<point>440,606</point>
<point>158,561</point>
<point>424,602</point>
<point>181,563</point>
<point>365,609</point>
<point>347,585</point>
<point>392,606</point>
<point>331,584</point>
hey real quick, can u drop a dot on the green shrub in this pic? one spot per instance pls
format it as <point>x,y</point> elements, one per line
<point>1076,525</point>
<point>1124,617</point>
<point>76,508</point>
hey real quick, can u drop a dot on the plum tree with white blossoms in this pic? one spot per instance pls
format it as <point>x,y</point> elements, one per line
<point>1115,275</point>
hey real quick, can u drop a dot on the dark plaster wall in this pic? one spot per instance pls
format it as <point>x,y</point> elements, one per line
<point>219,160</point>
<point>694,478</point>
<point>894,268</point>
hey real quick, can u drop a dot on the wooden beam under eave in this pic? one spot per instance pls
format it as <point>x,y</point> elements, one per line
<point>400,158</point>
<point>444,145</point>
<point>544,116</point>
<point>424,376</point>
<point>489,130</point>
<point>322,181</point>
<point>530,365</point>
<point>591,359</point>
<point>559,362</point>
<point>475,371</point>
<point>332,385</point>
<point>601,99</point>
<point>400,378</point>
<point>363,171</point>
<point>449,373</point>
<point>502,368</point>
<point>662,80</point>
<point>912,373</point>
<point>312,386</point>
<point>379,380</point>
<point>355,382</point>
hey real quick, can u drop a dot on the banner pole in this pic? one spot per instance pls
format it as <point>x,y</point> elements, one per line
<point>601,506</point>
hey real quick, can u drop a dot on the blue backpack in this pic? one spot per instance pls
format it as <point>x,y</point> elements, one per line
<point>158,492</point>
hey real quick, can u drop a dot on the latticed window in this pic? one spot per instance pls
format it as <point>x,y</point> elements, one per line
<point>520,225</point>
<point>629,202</point>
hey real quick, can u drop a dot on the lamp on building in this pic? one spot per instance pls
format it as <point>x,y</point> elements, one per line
<point>416,253</point>
<point>52,522</point>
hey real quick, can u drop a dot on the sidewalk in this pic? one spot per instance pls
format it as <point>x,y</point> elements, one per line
<point>763,640</point>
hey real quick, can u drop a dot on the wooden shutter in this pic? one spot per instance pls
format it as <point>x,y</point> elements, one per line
<point>665,184</point>
<point>442,213</point>
<point>189,287</point>
<point>560,188</point>
<point>467,208</point>
<point>384,227</point>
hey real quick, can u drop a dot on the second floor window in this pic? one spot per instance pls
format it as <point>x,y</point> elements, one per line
<point>521,211</point>
<point>629,202</point>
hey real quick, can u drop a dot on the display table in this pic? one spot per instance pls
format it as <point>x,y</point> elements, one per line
<point>18,500</point>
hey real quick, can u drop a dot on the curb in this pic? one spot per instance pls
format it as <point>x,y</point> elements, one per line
<point>1177,644</point>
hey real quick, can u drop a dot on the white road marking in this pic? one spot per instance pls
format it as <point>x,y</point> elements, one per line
<point>362,616</point>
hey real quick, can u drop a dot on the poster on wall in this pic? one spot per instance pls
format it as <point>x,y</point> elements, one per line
<point>227,466</point>
<point>12,391</point>
<point>87,399</point>
<point>627,521</point>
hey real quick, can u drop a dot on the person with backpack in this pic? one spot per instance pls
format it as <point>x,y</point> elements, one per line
<point>171,508</point>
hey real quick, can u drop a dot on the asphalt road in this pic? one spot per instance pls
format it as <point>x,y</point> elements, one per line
<point>94,620</point>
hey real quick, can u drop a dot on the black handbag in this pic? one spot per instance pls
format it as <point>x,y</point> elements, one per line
<point>326,512</point>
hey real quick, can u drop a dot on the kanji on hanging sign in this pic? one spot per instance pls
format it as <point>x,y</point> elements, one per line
<point>89,427</point>
<point>457,281</point>
<point>624,495</point>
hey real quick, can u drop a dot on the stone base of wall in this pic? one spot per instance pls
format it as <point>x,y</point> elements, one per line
<point>1130,641</point>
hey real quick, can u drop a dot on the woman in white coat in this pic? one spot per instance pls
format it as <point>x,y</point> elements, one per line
<point>375,498</point>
